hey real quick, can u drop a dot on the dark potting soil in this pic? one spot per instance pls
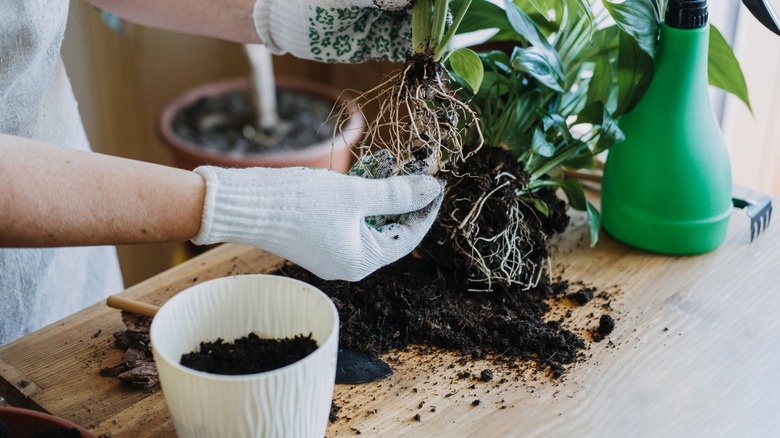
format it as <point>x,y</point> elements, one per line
<point>424,298</point>
<point>227,123</point>
<point>249,354</point>
<point>411,303</point>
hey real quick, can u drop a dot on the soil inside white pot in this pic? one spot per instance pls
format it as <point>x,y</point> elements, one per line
<point>228,123</point>
<point>249,355</point>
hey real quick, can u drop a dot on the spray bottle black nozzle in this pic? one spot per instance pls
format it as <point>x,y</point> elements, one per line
<point>686,14</point>
<point>691,14</point>
<point>763,13</point>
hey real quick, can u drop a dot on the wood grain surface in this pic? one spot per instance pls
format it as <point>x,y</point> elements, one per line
<point>695,352</point>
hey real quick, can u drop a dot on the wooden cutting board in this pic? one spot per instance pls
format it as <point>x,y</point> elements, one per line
<point>694,353</point>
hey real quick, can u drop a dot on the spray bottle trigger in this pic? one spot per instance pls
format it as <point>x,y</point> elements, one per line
<point>764,14</point>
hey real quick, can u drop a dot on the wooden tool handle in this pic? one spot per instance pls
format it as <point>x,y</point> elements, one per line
<point>133,306</point>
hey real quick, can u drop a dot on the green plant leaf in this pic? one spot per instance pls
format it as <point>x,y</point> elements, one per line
<point>594,223</point>
<point>524,25</point>
<point>723,68</point>
<point>541,146</point>
<point>582,159</point>
<point>536,13</point>
<point>603,43</point>
<point>634,73</point>
<point>514,141</point>
<point>525,114</point>
<point>538,204</point>
<point>578,201</point>
<point>585,8</point>
<point>553,120</point>
<point>600,84</point>
<point>535,61</point>
<point>598,115</point>
<point>482,14</point>
<point>498,59</point>
<point>541,6</point>
<point>493,85</point>
<point>574,193</point>
<point>593,114</point>
<point>466,63</point>
<point>638,18</point>
<point>610,133</point>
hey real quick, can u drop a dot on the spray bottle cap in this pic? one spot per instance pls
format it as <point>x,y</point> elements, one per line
<point>686,14</point>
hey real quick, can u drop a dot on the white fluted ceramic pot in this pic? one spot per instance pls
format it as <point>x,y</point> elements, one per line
<point>293,401</point>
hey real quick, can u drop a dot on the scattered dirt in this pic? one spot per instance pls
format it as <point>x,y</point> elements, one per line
<point>606,326</point>
<point>249,354</point>
<point>412,303</point>
<point>227,123</point>
<point>424,299</point>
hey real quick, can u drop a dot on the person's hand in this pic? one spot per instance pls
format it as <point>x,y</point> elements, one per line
<point>349,31</point>
<point>316,218</point>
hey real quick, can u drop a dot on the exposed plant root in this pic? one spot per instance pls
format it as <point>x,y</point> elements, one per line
<point>498,257</point>
<point>489,232</point>
<point>420,122</point>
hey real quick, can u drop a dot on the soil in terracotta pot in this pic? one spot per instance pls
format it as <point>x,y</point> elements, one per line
<point>227,123</point>
<point>249,354</point>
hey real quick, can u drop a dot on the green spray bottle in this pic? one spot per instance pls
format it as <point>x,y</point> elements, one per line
<point>667,186</point>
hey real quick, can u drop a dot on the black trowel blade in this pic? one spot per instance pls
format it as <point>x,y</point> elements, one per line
<point>353,367</point>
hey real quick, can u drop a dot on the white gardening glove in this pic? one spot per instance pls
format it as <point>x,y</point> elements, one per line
<point>316,218</point>
<point>349,31</point>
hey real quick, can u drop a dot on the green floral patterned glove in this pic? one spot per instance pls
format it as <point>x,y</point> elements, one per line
<point>348,31</point>
<point>380,165</point>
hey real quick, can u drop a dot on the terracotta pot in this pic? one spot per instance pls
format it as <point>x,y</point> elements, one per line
<point>334,153</point>
<point>25,422</point>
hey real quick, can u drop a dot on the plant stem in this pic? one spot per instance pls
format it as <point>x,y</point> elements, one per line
<point>444,41</point>
<point>421,25</point>
<point>440,9</point>
<point>429,26</point>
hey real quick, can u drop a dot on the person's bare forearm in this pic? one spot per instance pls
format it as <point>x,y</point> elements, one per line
<point>226,19</point>
<point>53,196</point>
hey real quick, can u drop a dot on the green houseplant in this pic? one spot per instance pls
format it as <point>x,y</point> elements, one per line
<point>550,95</point>
<point>544,103</point>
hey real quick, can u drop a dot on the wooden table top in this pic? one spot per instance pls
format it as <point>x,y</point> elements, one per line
<point>695,352</point>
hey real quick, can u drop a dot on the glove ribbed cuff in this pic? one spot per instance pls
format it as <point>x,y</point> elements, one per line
<point>230,211</point>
